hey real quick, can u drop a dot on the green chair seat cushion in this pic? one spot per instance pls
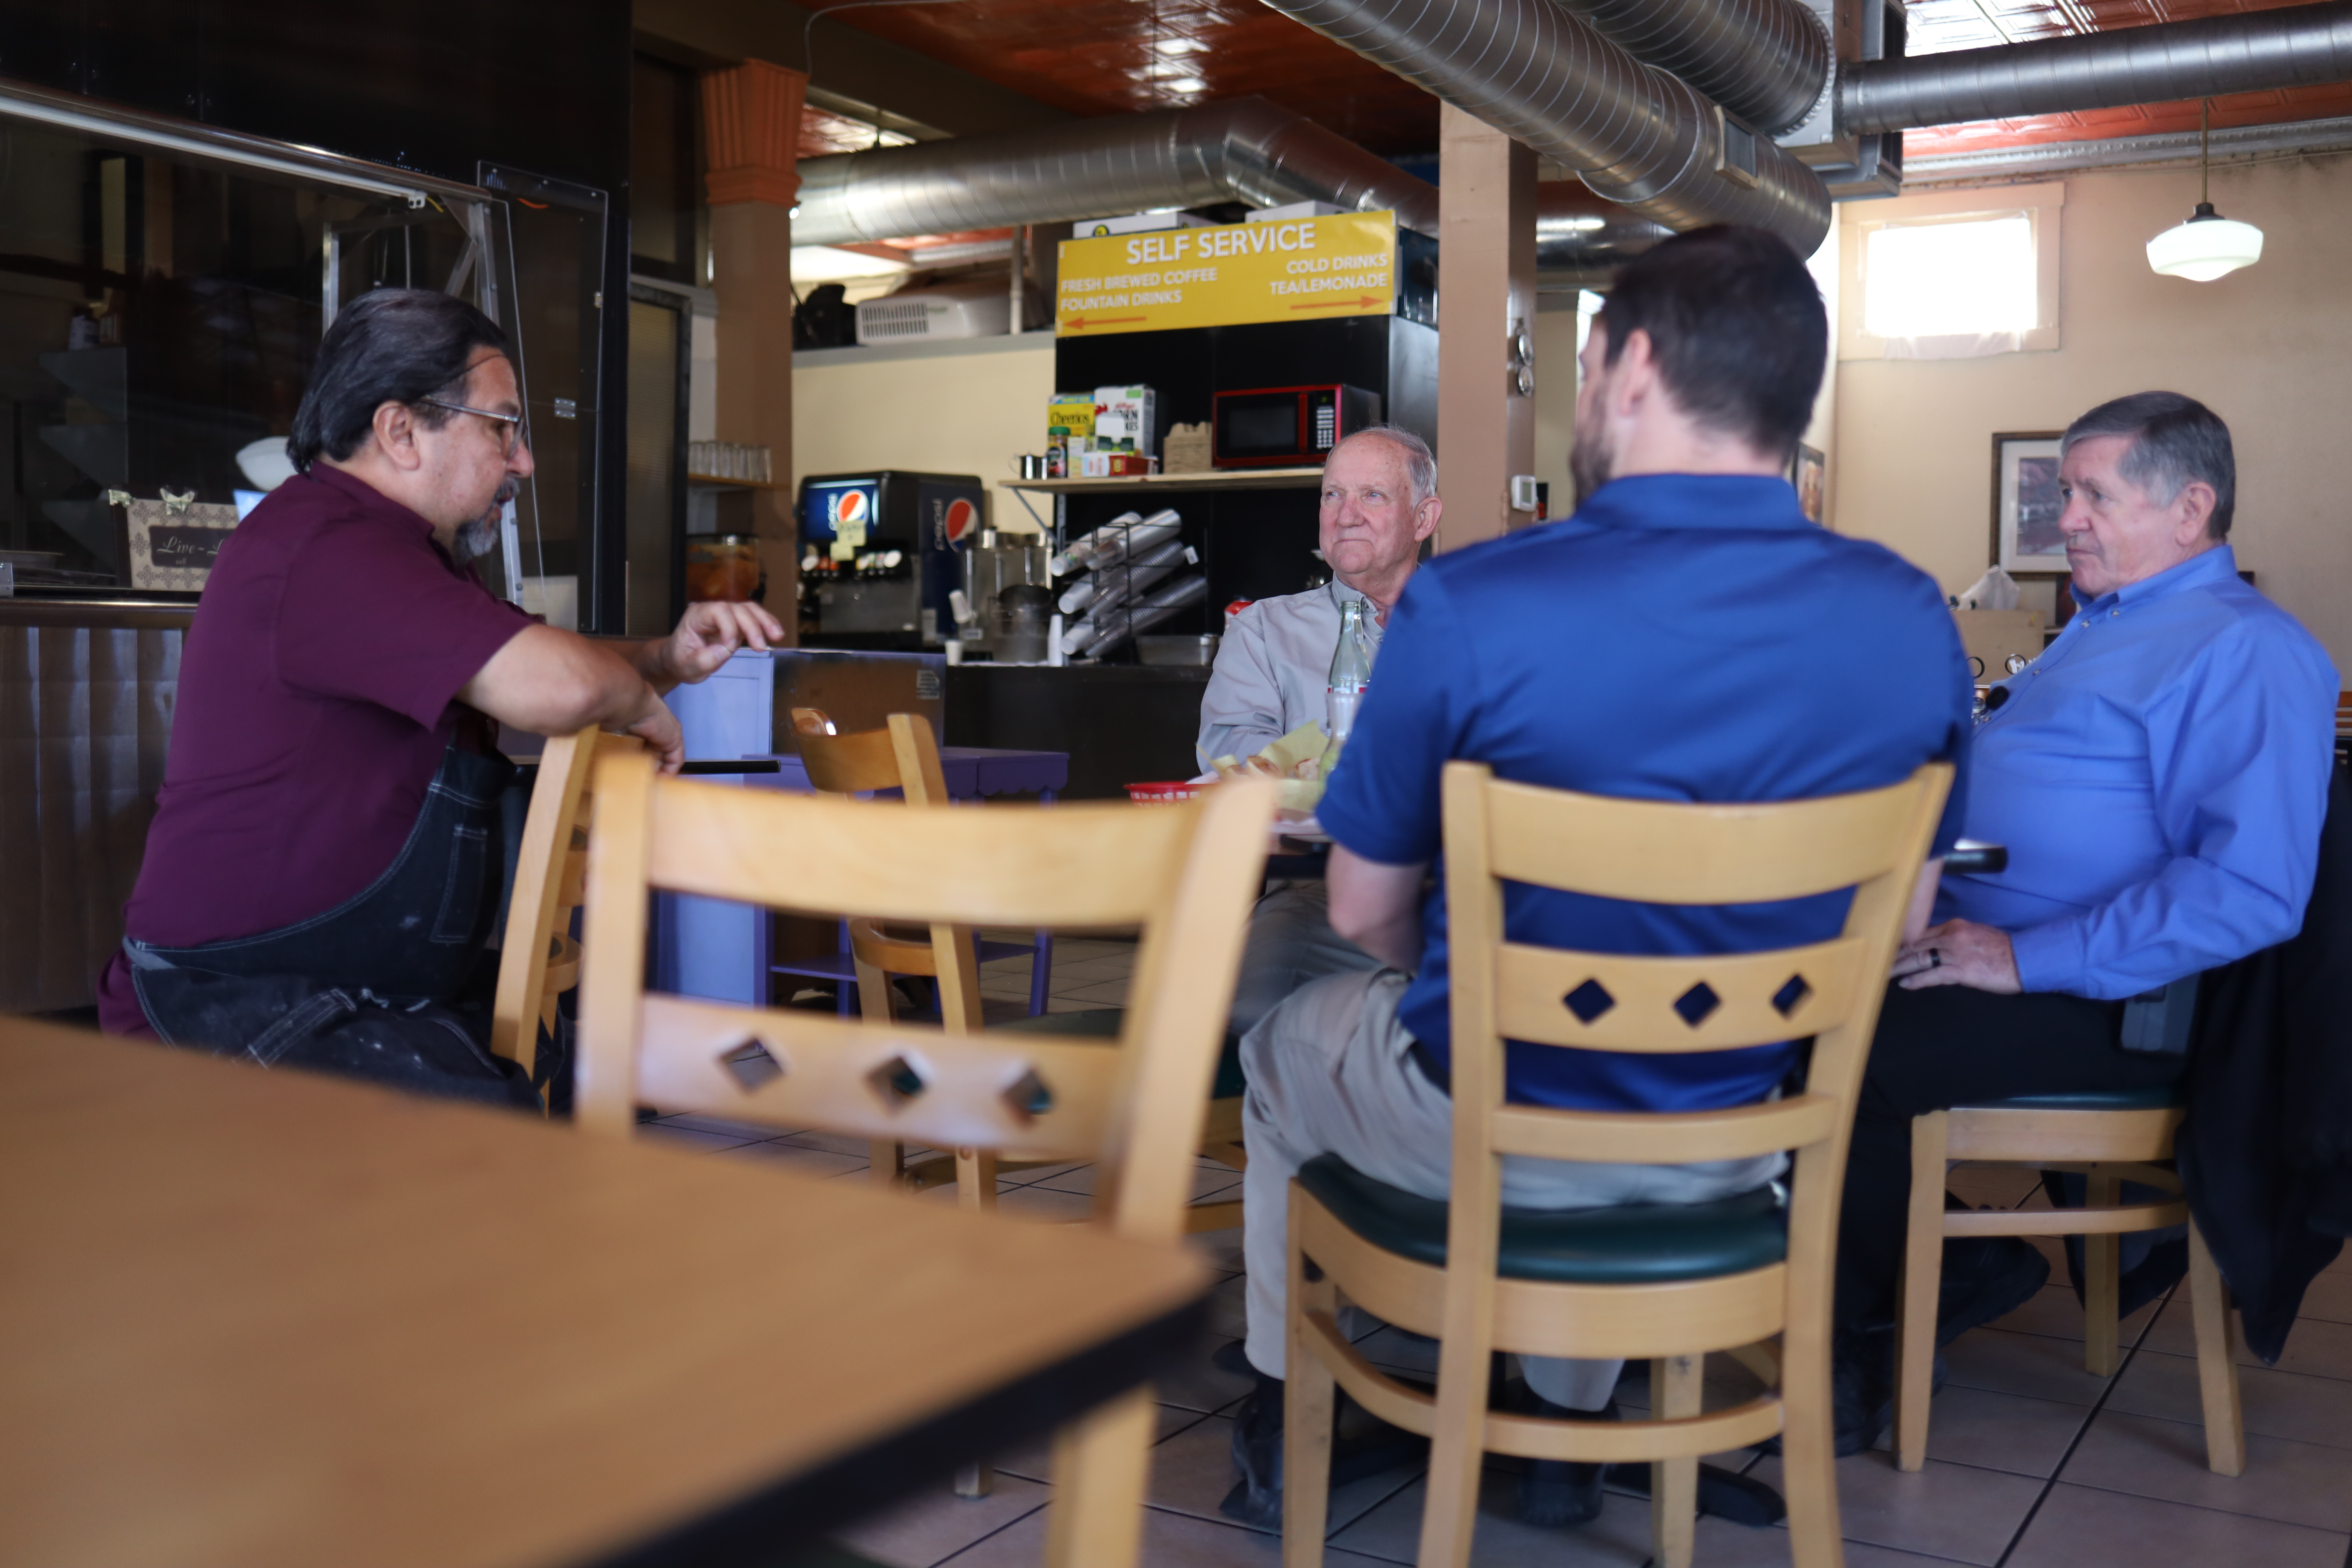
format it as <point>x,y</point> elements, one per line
<point>1624,1244</point>
<point>1103,1024</point>
<point>2154,1097</point>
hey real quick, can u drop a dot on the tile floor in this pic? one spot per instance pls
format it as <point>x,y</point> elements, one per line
<point>2032,1463</point>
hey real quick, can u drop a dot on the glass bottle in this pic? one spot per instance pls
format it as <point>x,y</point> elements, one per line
<point>1352,673</point>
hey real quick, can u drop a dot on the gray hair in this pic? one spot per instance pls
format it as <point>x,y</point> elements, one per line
<point>2176,441</point>
<point>1419,462</point>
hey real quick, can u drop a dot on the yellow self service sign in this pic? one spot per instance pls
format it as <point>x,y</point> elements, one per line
<point>1297,270</point>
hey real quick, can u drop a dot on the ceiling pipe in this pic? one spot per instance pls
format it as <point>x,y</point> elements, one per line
<point>1243,150</point>
<point>1631,132</point>
<point>2297,47</point>
<point>1767,61</point>
<point>1581,238</point>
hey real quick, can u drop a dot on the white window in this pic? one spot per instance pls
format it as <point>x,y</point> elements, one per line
<point>1933,282</point>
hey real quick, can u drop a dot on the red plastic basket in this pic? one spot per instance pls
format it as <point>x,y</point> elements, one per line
<point>1162,794</point>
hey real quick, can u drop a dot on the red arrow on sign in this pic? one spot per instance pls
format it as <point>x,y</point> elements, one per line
<point>1366,303</point>
<point>1080,323</point>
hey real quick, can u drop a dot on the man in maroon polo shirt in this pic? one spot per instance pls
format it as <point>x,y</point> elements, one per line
<point>324,864</point>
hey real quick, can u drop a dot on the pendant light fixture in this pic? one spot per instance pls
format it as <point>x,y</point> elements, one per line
<point>2208,246</point>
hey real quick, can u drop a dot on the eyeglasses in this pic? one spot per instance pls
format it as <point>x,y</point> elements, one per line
<point>517,431</point>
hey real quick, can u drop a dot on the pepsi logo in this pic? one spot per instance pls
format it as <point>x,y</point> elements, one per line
<point>962,519</point>
<point>848,506</point>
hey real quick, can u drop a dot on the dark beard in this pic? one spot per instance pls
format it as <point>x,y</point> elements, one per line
<point>1590,464</point>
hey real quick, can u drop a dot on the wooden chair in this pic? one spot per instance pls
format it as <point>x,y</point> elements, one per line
<point>905,757</point>
<point>1187,877</point>
<point>2109,1138</point>
<point>866,760</point>
<point>539,961</point>
<point>1666,1282</point>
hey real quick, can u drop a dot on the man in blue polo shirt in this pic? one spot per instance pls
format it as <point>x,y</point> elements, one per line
<point>1686,635</point>
<point>2158,776</point>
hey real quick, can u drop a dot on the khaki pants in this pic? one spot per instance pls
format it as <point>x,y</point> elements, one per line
<point>1329,1075</point>
<point>1291,942</point>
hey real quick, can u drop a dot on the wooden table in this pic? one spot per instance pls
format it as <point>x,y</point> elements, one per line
<point>252,1318</point>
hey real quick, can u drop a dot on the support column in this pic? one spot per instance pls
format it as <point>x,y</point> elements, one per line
<point>751,119</point>
<point>1486,253</point>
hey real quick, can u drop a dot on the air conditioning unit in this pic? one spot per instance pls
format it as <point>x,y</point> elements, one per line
<point>982,309</point>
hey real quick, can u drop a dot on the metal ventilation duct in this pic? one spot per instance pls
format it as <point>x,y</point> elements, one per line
<point>1631,132</point>
<point>1580,237</point>
<point>1768,61</point>
<point>2296,47</point>
<point>1241,150</point>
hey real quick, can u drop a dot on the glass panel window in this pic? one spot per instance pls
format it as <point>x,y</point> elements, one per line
<point>1950,280</point>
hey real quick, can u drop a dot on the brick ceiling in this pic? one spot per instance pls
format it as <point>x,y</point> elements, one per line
<point>1120,56</point>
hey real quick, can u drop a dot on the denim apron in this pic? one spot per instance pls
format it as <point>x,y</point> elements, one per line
<point>363,989</point>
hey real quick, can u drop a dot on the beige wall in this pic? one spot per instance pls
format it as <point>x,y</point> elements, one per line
<point>970,410</point>
<point>1555,402</point>
<point>2268,348</point>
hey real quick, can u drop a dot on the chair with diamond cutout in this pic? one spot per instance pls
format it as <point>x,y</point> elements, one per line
<point>904,756</point>
<point>1187,877</point>
<point>860,762</point>
<point>1668,1283</point>
<point>540,961</point>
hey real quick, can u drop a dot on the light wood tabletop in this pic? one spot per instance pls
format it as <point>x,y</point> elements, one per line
<point>252,1318</point>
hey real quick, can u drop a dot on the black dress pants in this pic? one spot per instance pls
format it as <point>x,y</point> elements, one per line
<point>1948,1046</point>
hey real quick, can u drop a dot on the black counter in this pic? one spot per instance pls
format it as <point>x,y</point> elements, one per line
<point>1121,723</point>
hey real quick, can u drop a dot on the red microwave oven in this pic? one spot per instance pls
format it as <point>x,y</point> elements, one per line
<point>1284,427</point>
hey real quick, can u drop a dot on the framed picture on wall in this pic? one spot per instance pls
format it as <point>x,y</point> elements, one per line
<point>2026,503</point>
<point>1808,471</point>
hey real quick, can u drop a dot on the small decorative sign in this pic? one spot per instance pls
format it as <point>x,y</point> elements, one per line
<point>171,542</point>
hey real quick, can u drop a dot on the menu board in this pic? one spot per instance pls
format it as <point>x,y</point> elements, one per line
<point>1291,270</point>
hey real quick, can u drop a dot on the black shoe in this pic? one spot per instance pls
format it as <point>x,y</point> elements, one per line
<point>1862,1387</point>
<point>1256,1497</point>
<point>1363,1446</point>
<point>1985,1280</point>
<point>1555,1493</point>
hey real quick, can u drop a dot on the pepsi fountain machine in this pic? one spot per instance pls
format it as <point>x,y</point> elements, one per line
<point>880,551</point>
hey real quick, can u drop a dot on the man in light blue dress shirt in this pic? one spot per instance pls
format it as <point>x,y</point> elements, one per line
<point>2158,776</point>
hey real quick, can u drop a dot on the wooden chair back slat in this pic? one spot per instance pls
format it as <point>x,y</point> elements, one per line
<point>1497,831</point>
<point>1637,1137</point>
<point>1674,1005</point>
<point>574,889</point>
<point>891,954</point>
<point>1187,876</point>
<point>1039,1097</point>
<point>1093,866</point>
<point>539,962</point>
<point>1675,852</point>
<point>850,765</point>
